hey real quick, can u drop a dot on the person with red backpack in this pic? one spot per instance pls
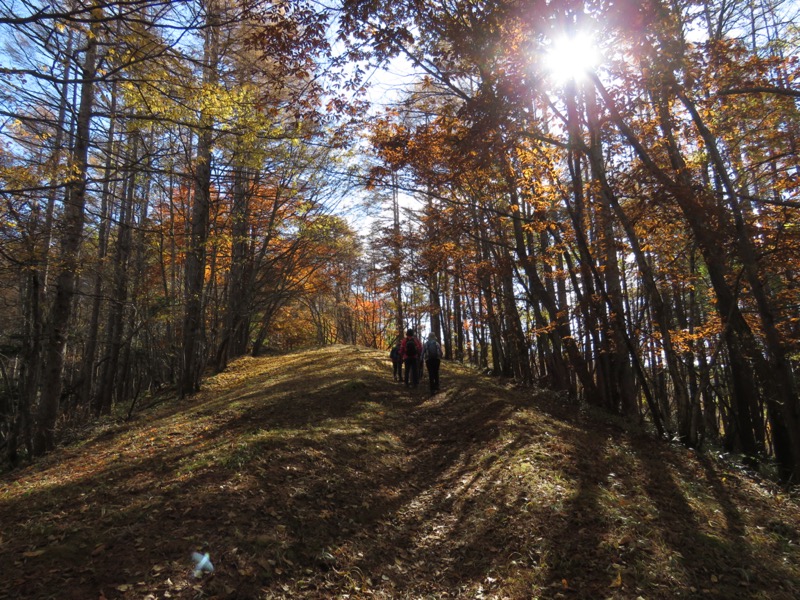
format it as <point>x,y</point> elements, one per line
<point>411,350</point>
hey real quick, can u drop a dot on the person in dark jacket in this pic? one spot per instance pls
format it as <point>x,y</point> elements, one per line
<point>411,352</point>
<point>397,361</point>
<point>432,353</point>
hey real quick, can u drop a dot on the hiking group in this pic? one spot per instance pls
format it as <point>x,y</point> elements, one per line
<point>408,356</point>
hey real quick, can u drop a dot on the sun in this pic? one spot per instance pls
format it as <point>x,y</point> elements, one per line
<point>571,57</point>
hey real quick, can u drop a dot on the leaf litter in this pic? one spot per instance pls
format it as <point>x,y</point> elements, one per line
<point>313,475</point>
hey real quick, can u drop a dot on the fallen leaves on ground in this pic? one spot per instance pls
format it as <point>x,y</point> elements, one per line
<point>313,475</point>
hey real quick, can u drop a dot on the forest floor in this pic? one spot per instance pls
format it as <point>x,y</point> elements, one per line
<point>314,475</point>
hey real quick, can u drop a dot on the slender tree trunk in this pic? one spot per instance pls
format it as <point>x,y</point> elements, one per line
<point>458,319</point>
<point>491,319</point>
<point>447,316</point>
<point>397,259</point>
<point>193,321</point>
<point>114,330</point>
<point>621,371</point>
<point>783,402</point>
<point>31,370</point>
<point>707,227</point>
<point>560,332</point>
<point>87,377</point>
<point>72,222</point>
<point>238,287</point>
<point>516,343</point>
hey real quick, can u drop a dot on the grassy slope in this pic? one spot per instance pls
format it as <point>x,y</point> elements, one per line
<point>314,475</point>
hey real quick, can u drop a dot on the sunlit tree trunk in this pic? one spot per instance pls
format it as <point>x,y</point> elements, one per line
<point>448,310</point>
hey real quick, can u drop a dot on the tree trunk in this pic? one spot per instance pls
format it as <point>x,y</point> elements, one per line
<point>621,371</point>
<point>707,227</point>
<point>237,288</point>
<point>560,331</point>
<point>72,222</point>
<point>783,405</point>
<point>87,377</point>
<point>458,319</point>
<point>397,260</point>
<point>514,334</point>
<point>119,295</point>
<point>193,321</point>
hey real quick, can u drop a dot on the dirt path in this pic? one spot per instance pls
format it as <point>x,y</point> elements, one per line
<point>314,475</point>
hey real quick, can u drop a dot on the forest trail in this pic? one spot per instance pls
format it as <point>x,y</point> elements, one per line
<point>314,475</point>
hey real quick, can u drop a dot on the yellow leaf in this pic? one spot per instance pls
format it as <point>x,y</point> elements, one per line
<point>617,581</point>
<point>33,553</point>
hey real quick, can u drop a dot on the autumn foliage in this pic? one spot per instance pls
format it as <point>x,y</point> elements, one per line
<point>624,232</point>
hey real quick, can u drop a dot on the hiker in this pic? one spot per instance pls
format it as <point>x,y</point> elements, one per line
<point>432,353</point>
<point>411,352</point>
<point>396,355</point>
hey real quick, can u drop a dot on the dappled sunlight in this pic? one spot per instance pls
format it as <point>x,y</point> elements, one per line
<point>314,475</point>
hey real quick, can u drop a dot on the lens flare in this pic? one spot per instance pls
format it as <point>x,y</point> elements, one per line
<point>202,564</point>
<point>570,58</point>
